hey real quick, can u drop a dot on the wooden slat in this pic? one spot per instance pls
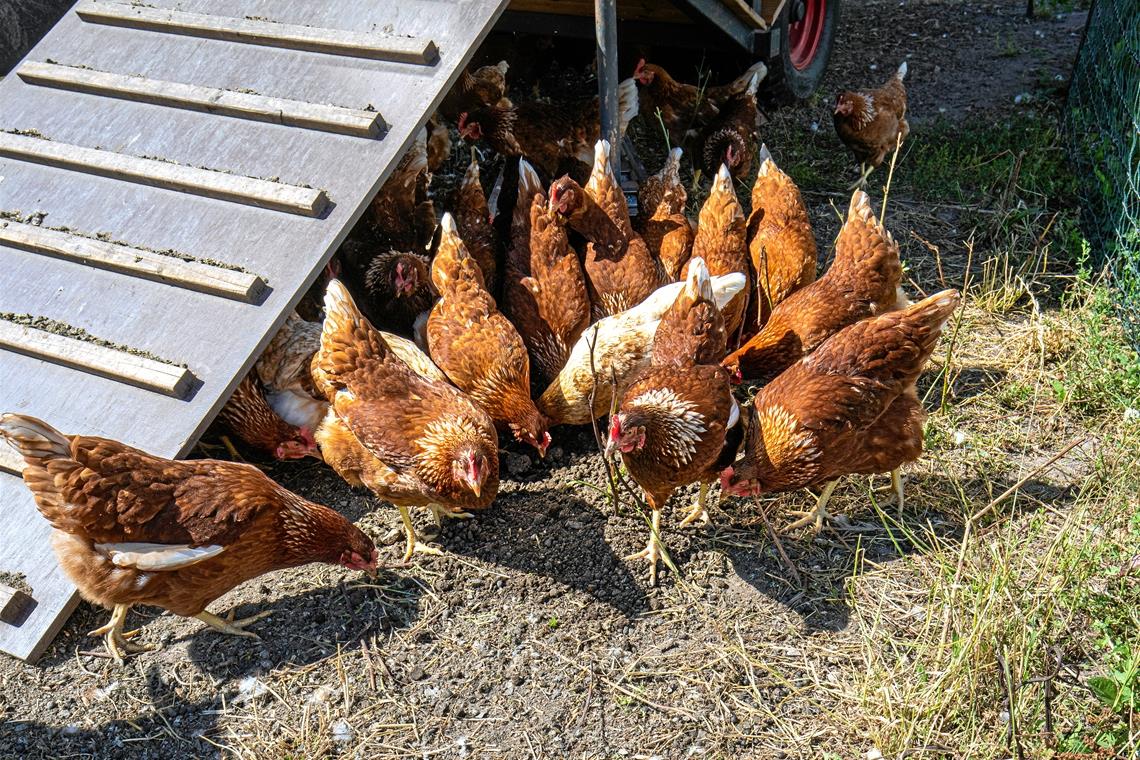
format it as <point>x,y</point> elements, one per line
<point>219,338</point>
<point>628,10</point>
<point>744,12</point>
<point>770,10</point>
<point>194,275</point>
<point>10,461</point>
<point>243,105</point>
<point>100,360</point>
<point>261,32</point>
<point>148,171</point>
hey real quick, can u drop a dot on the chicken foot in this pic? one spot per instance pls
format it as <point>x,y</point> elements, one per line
<point>816,516</point>
<point>862,181</point>
<point>231,626</point>
<point>412,545</point>
<point>652,551</point>
<point>115,638</point>
<point>895,489</point>
<point>698,512</point>
<point>441,513</point>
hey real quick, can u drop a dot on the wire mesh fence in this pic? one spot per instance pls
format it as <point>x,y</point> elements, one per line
<point>1103,125</point>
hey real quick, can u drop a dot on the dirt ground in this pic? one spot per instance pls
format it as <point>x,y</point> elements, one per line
<point>532,637</point>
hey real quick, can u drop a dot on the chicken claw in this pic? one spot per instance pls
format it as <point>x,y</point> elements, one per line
<point>895,489</point>
<point>815,516</point>
<point>441,513</point>
<point>115,638</point>
<point>862,181</point>
<point>412,545</point>
<point>652,551</point>
<point>698,513</point>
<point>231,626</point>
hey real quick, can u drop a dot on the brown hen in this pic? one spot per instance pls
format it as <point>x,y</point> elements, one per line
<point>730,139</point>
<point>863,281</point>
<point>848,408</point>
<point>485,86</point>
<point>684,109</point>
<point>620,272</point>
<point>131,528</point>
<point>549,307</point>
<point>477,347</point>
<point>872,123</point>
<point>474,220</point>
<point>412,441</point>
<point>553,137</point>
<point>248,414</point>
<point>780,240</point>
<point>671,427</point>
<point>663,224</point>
<point>720,241</point>
<point>401,217</point>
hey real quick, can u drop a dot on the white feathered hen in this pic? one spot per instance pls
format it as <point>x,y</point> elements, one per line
<point>621,348</point>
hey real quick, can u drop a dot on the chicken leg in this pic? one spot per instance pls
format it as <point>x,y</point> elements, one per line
<point>866,170</point>
<point>115,638</point>
<point>895,489</point>
<point>698,512</point>
<point>412,544</point>
<point>817,515</point>
<point>652,552</point>
<point>231,626</point>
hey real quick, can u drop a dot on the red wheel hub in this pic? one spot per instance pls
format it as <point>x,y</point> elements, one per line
<point>804,35</point>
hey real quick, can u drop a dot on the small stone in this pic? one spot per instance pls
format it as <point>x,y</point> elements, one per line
<point>518,464</point>
<point>416,674</point>
<point>342,733</point>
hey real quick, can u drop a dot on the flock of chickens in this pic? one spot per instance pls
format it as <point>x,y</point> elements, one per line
<point>438,337</point>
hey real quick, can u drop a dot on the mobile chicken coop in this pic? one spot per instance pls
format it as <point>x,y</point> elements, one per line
<point>792,37</point>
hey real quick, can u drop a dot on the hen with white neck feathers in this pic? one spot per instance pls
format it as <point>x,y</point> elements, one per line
<point>678,422</point>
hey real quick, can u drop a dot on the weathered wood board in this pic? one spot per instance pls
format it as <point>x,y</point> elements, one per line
<point>216,335</point>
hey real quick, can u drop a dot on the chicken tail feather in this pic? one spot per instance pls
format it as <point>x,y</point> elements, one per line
<point>901,73</point>
<point>34,439</point>
<point>347,339</point>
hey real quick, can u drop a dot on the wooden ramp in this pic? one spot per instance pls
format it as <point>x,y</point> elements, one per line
<point>173,176</point>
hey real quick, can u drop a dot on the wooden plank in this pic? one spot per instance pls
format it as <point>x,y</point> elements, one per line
<point>149,171</point>
<point>28,551</point>
<point>91,357</point>
<point>194,275</point>
<point>10,460</point>
<point>13,603</point>
<point>770,10</point>
<point>218,337</point>
<point>243,105</point>
<point>262,32</point>
<point>744,12</point>
<point>627,10</point>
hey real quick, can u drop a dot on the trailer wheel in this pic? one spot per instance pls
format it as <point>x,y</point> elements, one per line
<point>807,31</point>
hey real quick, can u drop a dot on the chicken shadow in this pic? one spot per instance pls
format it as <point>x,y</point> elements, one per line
<point>875,534</point>
<point>175,727</point>
<point>308,627</point>
<point>553,533</point>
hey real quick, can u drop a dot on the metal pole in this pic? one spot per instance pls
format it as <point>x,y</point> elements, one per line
<point>605,27</point>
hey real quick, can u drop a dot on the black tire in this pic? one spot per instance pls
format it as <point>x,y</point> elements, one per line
<point>787,84</point>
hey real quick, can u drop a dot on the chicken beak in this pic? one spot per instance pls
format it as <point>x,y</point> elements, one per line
<point>477,488</point>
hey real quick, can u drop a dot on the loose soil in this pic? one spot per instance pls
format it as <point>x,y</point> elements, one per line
<point>532,637</point>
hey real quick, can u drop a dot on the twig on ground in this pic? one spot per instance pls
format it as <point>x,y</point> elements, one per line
<point>615,504</point>
<point>779,545</point>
